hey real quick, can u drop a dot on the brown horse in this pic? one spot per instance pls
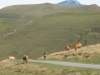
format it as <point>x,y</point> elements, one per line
<point>79,45</point>
<point>25,58</point>
<point>68,47</point>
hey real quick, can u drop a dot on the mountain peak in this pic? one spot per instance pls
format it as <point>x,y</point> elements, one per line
<point>69,3</point>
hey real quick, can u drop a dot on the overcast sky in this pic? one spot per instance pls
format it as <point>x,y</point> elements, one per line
<point>4,3</point>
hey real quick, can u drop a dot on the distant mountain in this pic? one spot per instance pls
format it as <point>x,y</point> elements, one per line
<point>70,3</point>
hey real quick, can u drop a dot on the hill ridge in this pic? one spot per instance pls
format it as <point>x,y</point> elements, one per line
<point>32,11</point>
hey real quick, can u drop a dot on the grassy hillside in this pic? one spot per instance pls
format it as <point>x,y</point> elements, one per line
<point>88,54</point>
<point>52,28</point>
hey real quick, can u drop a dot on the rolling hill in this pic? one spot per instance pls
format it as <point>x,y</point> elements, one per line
<point>33,29</point>
<point>38,10</point>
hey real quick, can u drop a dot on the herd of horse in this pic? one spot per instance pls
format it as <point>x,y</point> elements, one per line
<point>78,45</point>
<point>25,57</point>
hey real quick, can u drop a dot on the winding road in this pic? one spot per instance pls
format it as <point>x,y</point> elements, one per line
<point>72,64</point>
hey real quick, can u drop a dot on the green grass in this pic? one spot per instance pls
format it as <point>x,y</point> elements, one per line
<point>47,27</point>
<point>15,67</point>
<point>50,31</point>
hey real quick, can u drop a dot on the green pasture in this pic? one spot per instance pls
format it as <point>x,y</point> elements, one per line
<point>51,30</point>
<point>8,67</point>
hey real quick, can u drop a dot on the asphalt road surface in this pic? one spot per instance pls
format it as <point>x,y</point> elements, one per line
<point>72,64</point>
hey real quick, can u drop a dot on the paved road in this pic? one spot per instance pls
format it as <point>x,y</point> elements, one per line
<point>72,64</point>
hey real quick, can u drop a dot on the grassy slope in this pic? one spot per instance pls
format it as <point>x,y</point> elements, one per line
<point>8,67</point>
<point>49,33</point>
<point>88,54</point>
